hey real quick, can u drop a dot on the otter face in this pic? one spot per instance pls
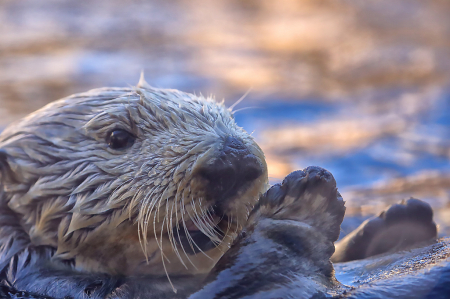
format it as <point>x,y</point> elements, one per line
<point>133,180</point>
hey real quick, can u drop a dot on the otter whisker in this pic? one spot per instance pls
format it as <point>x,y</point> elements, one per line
<point>178,231</point>
<point>205,225</point>
<point>172,237</point>
<point>209,222</point>
<point>199,222</point>
<point>158,242</point>
<point>240,99</point>
<point>217,229</point>
<point>195,218</point>
<point>147,207</point>
<point>162,259</point>
<point>159,206</point>
<point>144,218</point>
<point>246,108</point>
<point>223,250</point>
<point>183,211</point>
<point>196,224</point>
<point>130,206</point>
<point>143,247</point>
<point>168,217</point>
<point>165,220</point>
<point>211,225</point>
<point>186,231</point>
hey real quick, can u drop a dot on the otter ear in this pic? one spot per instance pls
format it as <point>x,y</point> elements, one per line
<point>142,83</point>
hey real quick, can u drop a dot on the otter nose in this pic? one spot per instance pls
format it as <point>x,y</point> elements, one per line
<point>234,168</point>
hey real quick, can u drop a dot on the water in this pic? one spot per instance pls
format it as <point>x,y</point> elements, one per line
<point>360,88</point>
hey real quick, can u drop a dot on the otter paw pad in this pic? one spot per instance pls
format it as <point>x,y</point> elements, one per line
<point>309,196</point>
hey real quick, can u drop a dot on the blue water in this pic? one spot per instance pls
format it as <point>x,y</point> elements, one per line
<point>272,113</point>
<point>362,166</point>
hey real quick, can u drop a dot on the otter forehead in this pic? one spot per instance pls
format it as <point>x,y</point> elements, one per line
<point>149,109</point>
<point>156,110</point>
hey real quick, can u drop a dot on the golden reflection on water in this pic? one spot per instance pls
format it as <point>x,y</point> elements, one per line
<point>384,64</point>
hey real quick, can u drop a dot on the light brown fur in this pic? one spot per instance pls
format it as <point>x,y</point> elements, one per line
<point>114,211</point>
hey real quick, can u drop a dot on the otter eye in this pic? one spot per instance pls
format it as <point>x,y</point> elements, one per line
<point>120,139</point>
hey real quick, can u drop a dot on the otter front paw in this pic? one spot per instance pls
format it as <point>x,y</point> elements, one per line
<point>286,244</point>
<point>309,196</point>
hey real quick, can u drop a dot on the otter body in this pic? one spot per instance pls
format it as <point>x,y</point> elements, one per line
<point>155,193</point>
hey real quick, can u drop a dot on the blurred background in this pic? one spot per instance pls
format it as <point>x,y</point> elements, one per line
<point>358,87</point>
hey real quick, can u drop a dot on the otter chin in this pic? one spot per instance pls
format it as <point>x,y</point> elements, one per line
<point>131,181</point>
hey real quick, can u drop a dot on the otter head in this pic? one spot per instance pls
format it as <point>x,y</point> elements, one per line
<point>132,180</point>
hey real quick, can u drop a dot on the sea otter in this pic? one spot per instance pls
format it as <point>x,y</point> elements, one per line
<point>140,192</point>
<point>132,180</point>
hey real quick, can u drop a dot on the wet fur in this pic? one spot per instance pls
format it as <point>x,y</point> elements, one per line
<point>283,251</point>
<point>278,255</point>
<point>277,230</point>
<point>115,211</point>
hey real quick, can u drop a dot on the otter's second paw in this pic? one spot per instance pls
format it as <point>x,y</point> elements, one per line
<point>399,227</point>
<point>308,196</point>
